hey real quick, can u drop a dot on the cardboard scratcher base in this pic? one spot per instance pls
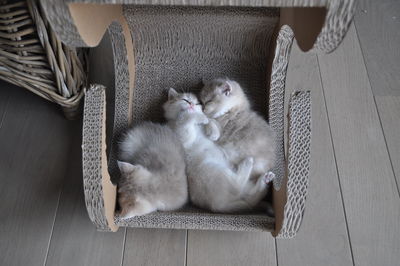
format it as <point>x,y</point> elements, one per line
<point>177,43</point>
<point>244,59</point>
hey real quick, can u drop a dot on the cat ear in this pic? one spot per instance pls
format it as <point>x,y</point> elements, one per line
<point>226,88</point>
<point>172,94</point>
<point>126,168</point>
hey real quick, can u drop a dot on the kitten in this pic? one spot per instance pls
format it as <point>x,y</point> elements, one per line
<point>214,184</point>
<point>152,172</point>
<point>243,132</point>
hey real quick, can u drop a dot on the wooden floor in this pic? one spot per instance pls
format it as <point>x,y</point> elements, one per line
<point>353,209</point>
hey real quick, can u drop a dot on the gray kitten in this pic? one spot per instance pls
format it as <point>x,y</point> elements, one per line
<point>214,183</point>
<point>152,172</point>
<point>244,133</point>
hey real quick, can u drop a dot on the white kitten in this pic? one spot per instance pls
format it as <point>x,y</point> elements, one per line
<point>153,172</point>
<point>213,182</point>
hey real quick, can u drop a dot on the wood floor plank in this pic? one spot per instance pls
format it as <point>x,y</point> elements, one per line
<point>4,100</point>
<point>323,237</point>
<point>378,25</point>
<point>368,185</point>
<point>209,248</point>
<point>34,144</point>
<point>155,247</point>
<point>389,112</point>
<point>75,240</point>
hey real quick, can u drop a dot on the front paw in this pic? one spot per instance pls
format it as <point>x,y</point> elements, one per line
<point>207,109</point>
<point>248,162</point>
<point>205,121</point>
<point>214,136</point>
<point>268,177</point>
<point>212,133</point>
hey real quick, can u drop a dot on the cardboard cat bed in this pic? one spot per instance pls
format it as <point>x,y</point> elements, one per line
<point>153,45</point>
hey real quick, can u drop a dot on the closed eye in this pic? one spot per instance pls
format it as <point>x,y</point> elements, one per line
<point>186,101</point>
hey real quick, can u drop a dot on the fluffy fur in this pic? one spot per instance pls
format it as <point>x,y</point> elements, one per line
<point>214,183</point>
<point>243,132</point>
<point>152,172</point>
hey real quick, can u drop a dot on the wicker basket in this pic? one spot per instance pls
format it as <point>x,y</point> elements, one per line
<point>31,56</point>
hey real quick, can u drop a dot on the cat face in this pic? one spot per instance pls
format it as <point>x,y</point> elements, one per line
<point>221,95</point>
<point>179,103</point>
<point>130,203</point>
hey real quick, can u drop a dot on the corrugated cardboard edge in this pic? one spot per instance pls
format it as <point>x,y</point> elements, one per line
<point>91,29</point>
<point>109,190</point>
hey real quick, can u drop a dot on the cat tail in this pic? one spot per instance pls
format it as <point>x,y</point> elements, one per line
<point>132,141</point>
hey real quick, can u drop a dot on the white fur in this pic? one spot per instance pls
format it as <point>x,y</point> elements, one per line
<point>214,183</point>
<point>152,171</point>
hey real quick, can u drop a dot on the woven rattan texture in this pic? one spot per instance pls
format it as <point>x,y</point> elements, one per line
<point>298,162</point>
<point>32,57</point>
<point>58,14</point>
<point>277,98</point>
<point>179,46</point>
<point>94,113</point>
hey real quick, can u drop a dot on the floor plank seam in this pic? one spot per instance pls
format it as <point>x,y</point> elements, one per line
<point>379,115</point>
<point>64,181</point>
<point>123,246</point>
<point>387,147</point>
<point>52,226</point>
<point>186,246</point>
<point>5,111</point>
<point>337,169</point>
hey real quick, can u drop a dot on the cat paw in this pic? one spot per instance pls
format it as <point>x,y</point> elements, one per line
<point>207,109</point>
<point>248,162</point>
<point>268,177</point>
<point>205,121</point>
<point>214,137</point>
<point>202,119</point>
<point>212,134</point>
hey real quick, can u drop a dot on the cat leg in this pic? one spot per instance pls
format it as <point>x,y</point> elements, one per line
<point>138,208</point>
<point>256,192</point>
<point>212,130</point>
<point>244,171</point>
<point>263,182</point>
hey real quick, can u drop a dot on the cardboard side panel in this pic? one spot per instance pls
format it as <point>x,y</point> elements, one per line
<point>100,193</point>
<point>109,190</point>
<point>92,20</point>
